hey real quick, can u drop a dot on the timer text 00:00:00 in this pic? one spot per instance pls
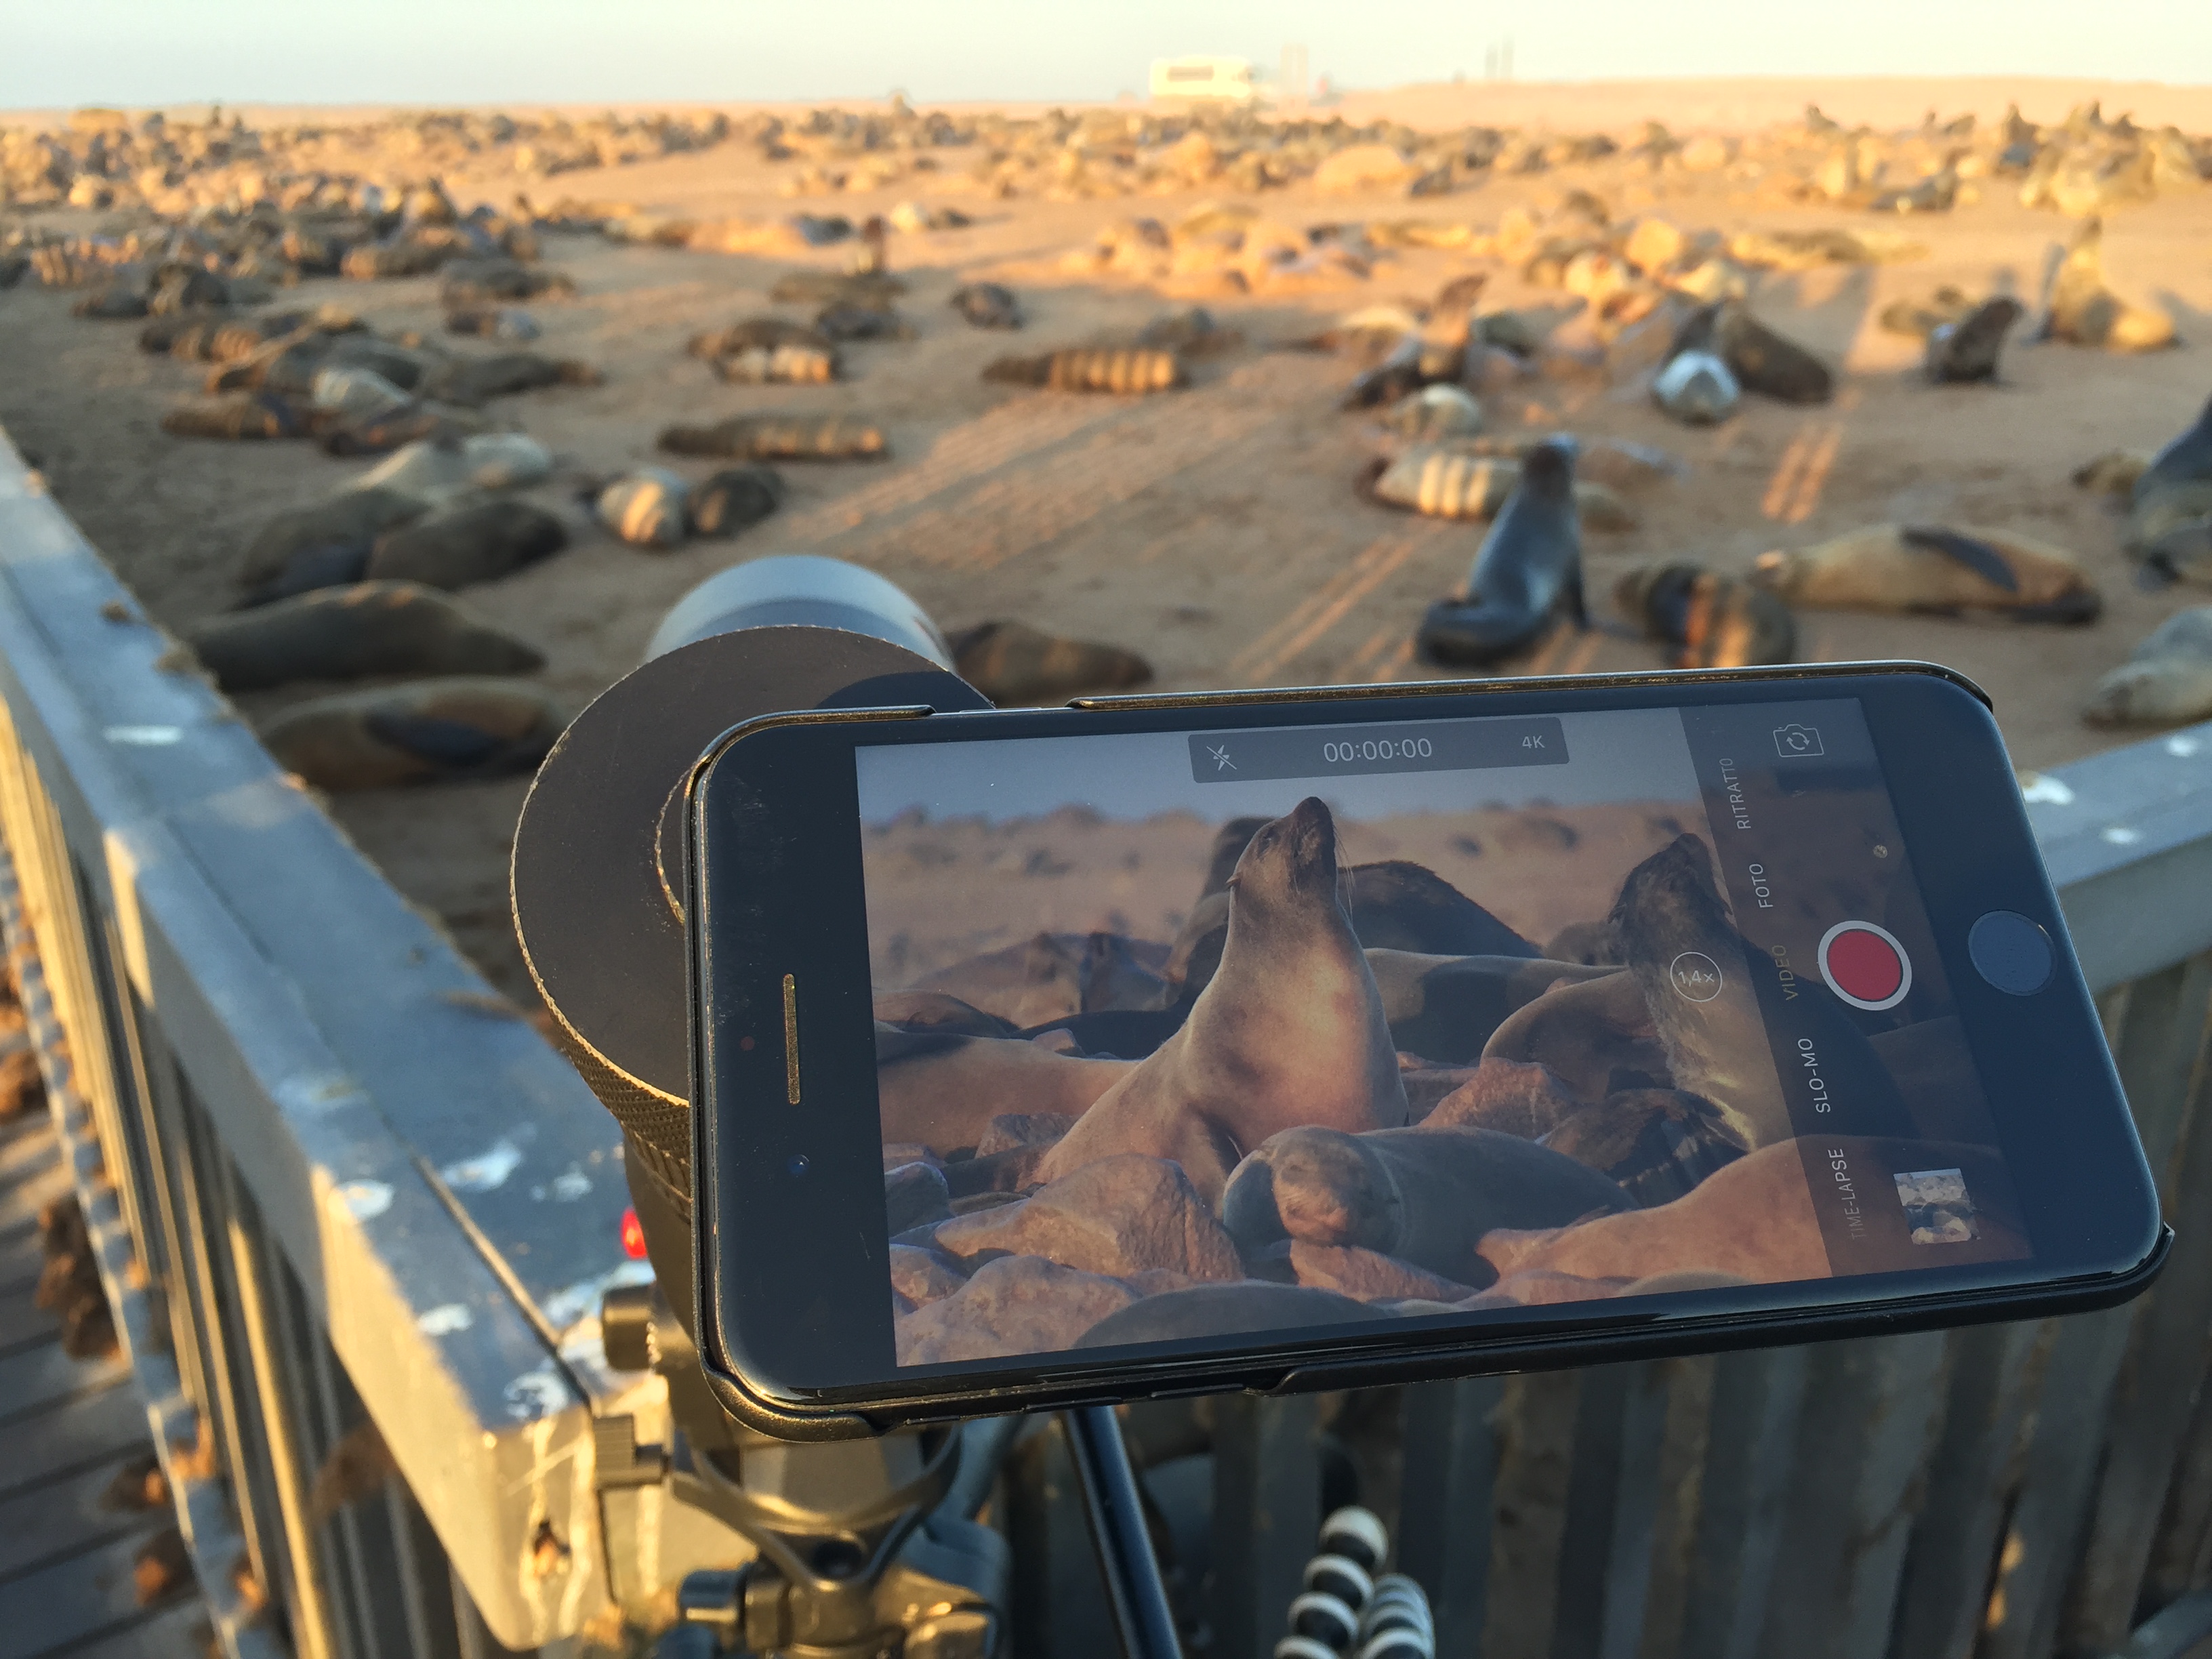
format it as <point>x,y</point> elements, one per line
<point>1374,749</point>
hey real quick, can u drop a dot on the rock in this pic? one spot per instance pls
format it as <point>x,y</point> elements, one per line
<point>915,1196</point>
<point>1368,1275</point>
<point>1511,1097</point>
<point>922,1276</point>
<point>1117,1216</point>
<point>1014,1305</point>
<point>345,633</point>
<point>645,507</point>
<point>435,729</point>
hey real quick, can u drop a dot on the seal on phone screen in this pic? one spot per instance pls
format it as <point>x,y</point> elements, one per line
<point>1290,1031</point>
<point>1529,565</point>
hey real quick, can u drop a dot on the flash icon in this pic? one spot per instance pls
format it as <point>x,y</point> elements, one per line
<point>1221,761</point>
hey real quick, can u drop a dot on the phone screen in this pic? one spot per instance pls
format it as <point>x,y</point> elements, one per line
<point>1187,1034</point>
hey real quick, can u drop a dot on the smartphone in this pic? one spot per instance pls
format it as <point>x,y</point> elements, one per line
<point>1297,1040</point>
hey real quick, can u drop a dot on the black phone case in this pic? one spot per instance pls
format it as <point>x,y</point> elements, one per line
<point>1282,1370</point>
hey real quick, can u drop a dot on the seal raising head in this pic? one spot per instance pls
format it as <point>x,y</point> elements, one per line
<point>1290,1031</point>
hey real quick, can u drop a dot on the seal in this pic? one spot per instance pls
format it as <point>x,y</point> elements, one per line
<point>734,499</point>
<point>781,438</point>
<point>1193,332</point>
<point>1434,412</point>
<point>2170,529</point>
<point>343,634</point>
<point>1707,1018</point>
<point>1288,1031</point>
<point>1011,662</point>
<point>987,305</point>
<point>2165,679</point>
<point>248,416</point>
<point>1934,569</point>
<point>1116,370</point>
<point>325,545</point>
<point>468,543</point>
<point>1444,483</point>
<point>1529,565</point>
<point>941,1089</point>
<point>1592,1031</point>
<point>1444,1008</point>
<point>477,282</point>
<point>2186,459</point>
<point>470,382</point>
<point>461,727</point>
<point>508,324</point>
<point>2083,312</point>
<point>1423,1195</point>
<point>1966,350</point>
<point>645,508</point>
<point>1714,621</point>
<point>1767,362</point>
<point>1694,384</point>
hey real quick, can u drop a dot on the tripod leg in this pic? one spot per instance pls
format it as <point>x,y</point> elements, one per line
<point>1116,1514</point>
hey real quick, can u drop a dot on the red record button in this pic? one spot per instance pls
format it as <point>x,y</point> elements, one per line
<point>1865,965</point>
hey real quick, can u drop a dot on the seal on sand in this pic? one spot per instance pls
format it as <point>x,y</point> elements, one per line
<point>1424,1195</point>
<point>1529,565</point>
<point>734,499</point>
<point>987,305</point>
<point>2170,529</point>
<point>1011,662</point>
<point>2186,459</point>
<point>781,438</point>
<point>1967,350</point>
<point>325,545</point>
<point>1099,369</point>
<point>2084,312</point>
<point>1718,621</point>
<point>1289,1031</point>
<point>340,634</point>
<point>1695,385</point>
<point>1934,569</point>
<point>1767,362</point>
<point>2165,679</point>
<point>463,728</point>
<point>466,543</point>
<point>645,507</point>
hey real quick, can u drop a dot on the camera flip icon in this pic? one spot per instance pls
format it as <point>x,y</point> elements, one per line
<point>1794,742</point>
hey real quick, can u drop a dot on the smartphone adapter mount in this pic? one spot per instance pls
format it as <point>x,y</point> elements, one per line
<point>866,1547</point>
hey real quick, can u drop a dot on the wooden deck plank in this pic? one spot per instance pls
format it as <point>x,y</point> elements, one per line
<point>63,1516</point>
<point>43,1375</point>
<point>99,1424</point>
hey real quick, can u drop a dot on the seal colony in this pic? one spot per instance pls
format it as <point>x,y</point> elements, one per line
<point>1314,1125</point>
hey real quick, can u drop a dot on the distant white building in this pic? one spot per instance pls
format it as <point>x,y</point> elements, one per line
<point>1223,79</point>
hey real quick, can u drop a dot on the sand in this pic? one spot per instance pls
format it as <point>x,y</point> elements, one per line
<point>1216,529</point>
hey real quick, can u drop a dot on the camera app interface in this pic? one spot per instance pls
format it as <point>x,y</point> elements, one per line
<point>1185,1034</point>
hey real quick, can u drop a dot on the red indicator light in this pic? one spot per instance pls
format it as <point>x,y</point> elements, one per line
<point>633,1236</point>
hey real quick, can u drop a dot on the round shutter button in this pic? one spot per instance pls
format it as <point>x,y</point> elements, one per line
<point>2010,952</point>
<point>1865,965</point>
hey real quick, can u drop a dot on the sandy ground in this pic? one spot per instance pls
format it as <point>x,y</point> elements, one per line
<point>1216,529</point>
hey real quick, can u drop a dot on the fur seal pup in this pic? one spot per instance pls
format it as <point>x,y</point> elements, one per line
<point>781,438</point>
<point>1967,350</point>
<point>249,416</point>
<point>783,364</point>
<point>325,545</point>
<point>506,323</point>
<point>2084,312</point>
<point>756,334</point>
<point>1011,662</point>
<point>821,287</point>
<point>1115,370</point>
<point>1288,1030</point>
<point>477,282</point>
<point>2185,458</point>
<point>1716,1039</point>
<point>1934,569</point>
<point>987,305</point>
<point>1434,412</point>
<point>345,633</point>
<point>1716,620</point>
<point>1529,565</point>
<point>846,321</point>
<point>1767,362</point>
<point>466,543</point>
<point>472,381</point>
<point>1694,384</point>
<point>462,728</point>
<point>1445,1008</point>
<point>1189,333</point>
<point>1915,319</point>
<point>1424,1195</point>
<point>734,499</point>
<point>2170,529</point>
<point>2115,472</point>
<point>2166,680</point>
<point>644,508</point>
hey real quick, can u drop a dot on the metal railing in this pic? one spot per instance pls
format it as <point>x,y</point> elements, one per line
<point>328,1188</point>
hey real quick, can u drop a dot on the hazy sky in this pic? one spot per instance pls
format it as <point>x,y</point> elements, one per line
<point>1627,754</point>
<point>57,53</point>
